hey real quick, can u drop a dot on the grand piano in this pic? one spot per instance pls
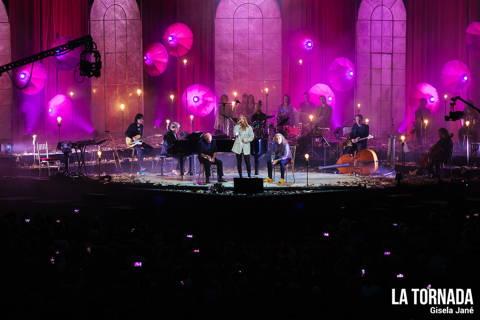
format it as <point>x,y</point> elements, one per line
<point>187,147</point>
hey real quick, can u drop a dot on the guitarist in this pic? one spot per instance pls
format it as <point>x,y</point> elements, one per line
<point>359,130</point>
<point>135,132</point>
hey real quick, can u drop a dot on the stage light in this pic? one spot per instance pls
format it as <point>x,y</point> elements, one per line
<point>50,110</point>
<point>191,117</point>
<point>307,156</point>
<point>167,121</point>
<point>196,99</point>
<point>235,93</point>
<point>9,148</point>
<point>330,98</point>
<point>367,120</point>
<point>172,40</point>
<point>59,120</point>
<point>386,253</point>
<point>139,92</point>
<point>94,90</point>
<point>190,236</point>
<point>358,105</point>
<point>350,73</point>
<point>185,61</point>
<point>137,264</point>
<point>300,61</point>
<point>196,250</point>
<point>465,78</point>
<point>99,154</point>
<point>147,59</point>
<point>467,123</point>
<point>34,137</point>
<point>308,44</point>
<point>310,117</point>
<point>402,138</point>
<point>425,122</point>
<point>432,99</point>
<point>266,90</point>
<point>71,93</point>
<point>445,96</point>
<point>400,275</point>
<point>122,106</point>
<point>22,75</point>
<point>172,97</point>
<point>326,234</point>
<point>363,272</point>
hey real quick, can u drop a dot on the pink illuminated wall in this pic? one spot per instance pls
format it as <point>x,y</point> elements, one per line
<point>117,29</point>
<point>248,49</point>
<point>381,57</point>
<point>5,84</point>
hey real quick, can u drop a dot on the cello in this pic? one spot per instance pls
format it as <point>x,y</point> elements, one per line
<point>364,162</point>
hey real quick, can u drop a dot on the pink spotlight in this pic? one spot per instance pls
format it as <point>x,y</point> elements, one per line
<point>199,100</point>
<point>432,99</point>
<point>455,76</point>
<point>58,103</point>
<point>178,39</point>
<point>32,80</point>
<point>156,59</point>
<point>308,44</point>
<point>341,74</point>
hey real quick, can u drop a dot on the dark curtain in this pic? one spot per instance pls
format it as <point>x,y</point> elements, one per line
<point>199,15</point>
<point>35,25</point>
<point>331,25</point>
<point>436,35</point>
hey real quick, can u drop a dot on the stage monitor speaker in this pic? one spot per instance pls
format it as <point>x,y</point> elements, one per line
<point>248,185</point>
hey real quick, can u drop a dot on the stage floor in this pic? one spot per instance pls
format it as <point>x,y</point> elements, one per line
<point>315,179</point>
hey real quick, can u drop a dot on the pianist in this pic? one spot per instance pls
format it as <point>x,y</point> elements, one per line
<point>169,143</point>
<point>135,132</point>
<point>207,151</point>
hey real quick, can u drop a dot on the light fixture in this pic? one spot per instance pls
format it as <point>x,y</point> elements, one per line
<point>310,117</point>
<point>172,97</point>
<point>235,93</point>
<point>99,154</point>
<point>467,123</point>
<point>59,120</point>
<point>358,105</point>
<point>71,93</point>
<point>367,120</point>
<point>425,122</point>
<point>300,61</point>
<point>122,106</point>
<point>139,92</point>
<point>402,138</point>
<point>266,90</point>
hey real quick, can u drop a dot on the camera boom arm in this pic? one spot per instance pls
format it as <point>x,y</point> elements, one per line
<point>454,99</point>
<point>86,41</point>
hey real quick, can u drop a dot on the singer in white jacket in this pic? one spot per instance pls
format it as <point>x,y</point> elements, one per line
<point>243,136</point>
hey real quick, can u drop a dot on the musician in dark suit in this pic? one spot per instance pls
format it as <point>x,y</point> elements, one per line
<point>207,155</point>
<point>440,152</point>
<point>359,130</point>
<point>169,142</point>
<point>259,144</point>
<point>323,113</point>
<point>135,132</point>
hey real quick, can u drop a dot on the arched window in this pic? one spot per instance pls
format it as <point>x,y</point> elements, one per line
<point>116,27</point>
<point>381,56</point>
<point>248,48</point>
<point>5,84</point>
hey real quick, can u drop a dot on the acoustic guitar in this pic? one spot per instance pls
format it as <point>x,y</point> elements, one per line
<point>138,140</point>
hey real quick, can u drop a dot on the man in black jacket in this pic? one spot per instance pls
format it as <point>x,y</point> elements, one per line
<point>169,141</point>
<point>359,130</point>
<point>207,151</point>
<point>135,132</point>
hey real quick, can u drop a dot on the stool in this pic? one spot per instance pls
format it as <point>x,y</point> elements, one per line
<point>201,172</point>
<point>163,159</point>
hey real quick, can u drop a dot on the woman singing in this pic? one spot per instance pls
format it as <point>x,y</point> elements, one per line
<point>243,136</point>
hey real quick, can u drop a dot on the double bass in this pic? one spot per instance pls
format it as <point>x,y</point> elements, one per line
<point>364,162</point>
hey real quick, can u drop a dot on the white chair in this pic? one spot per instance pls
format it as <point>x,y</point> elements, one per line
<point>44,158</point>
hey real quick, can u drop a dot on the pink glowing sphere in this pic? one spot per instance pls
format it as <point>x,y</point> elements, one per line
<point>321,89</point>
<point>59,103</point>
<point>199,100</point>
<point>455,76</point>
<point>308,44</point>
<point>424,91</point>
<point>178,39</point>
<point>473,35</point>
<point>155,59</point>
<point>69,60</point>
<point>31,81</point>
<point>341,74</point>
